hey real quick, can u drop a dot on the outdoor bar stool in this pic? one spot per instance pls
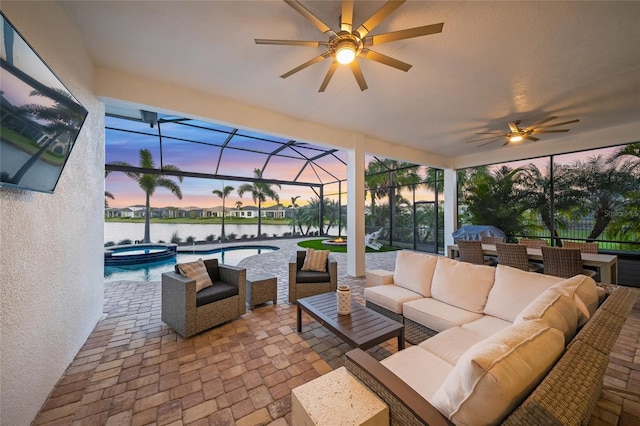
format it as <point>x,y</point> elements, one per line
<point>563,262</point>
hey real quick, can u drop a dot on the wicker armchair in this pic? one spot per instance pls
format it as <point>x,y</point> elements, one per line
<point>471,251</point>
<point>515,255</point>
<point>583,247</point>
<point>189,312</point>
<point>309,283</point>
<point>563,262</point>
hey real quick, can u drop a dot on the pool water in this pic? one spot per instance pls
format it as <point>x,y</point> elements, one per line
<point>127,252</point>
<point>153,271</point>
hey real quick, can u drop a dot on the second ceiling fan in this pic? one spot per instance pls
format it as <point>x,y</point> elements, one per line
<point>347,44</point>
<point>517,134</point>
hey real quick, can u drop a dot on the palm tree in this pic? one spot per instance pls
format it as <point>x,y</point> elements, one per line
<point>294,206</point>
<point>223,194</point>
<point>493,198</point>
<point>259,192</point>
<point>150,182</point>
<point>608,182</point>
<point>107,194</point>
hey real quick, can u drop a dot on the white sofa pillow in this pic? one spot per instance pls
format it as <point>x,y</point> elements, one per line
<point>462,284</point>
<point>514,289</point>
<point>555,310</point>
<point>414,271</point>
<point>584,292</point>
<point>495,375</point>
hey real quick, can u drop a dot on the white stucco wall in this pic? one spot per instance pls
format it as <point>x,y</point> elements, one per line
<point>51,267</point>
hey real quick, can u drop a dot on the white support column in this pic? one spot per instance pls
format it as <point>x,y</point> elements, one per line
<point>450,206</point>
<point>355,208</point>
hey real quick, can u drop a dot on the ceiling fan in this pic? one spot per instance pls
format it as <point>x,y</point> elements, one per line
<point>346,44</point>
<point>517,134</point>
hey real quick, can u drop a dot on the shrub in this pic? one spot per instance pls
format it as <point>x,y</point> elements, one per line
<point>125,241</point>
<point>286,234</point>
<point>161,242</point>
<point>109,244</point>
<point>191,240</point>
<point>175,239</point>
<point>231,236</point>
<point>211,238</point>
<point>245,236</point>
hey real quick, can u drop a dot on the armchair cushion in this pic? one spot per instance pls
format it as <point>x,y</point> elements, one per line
<point>219,291</point>
<point>315,260</point>
<point>312,277</point>
<point>196,271</point>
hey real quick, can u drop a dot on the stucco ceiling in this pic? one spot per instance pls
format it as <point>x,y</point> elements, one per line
<point>493,63</point>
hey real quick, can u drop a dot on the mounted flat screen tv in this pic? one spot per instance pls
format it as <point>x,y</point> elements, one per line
<point>40,118</point>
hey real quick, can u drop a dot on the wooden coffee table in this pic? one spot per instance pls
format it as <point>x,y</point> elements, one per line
<point>363,328</point>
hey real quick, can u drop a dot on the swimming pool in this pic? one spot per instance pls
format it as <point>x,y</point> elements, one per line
<point>153,271</point>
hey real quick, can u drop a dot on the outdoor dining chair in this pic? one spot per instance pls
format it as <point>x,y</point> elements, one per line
<point>583,247</point>
<point>485,239</point>
<point>471,251</point>
<point>533,243</point>
<point>515,255</point>
<point>563,262</point>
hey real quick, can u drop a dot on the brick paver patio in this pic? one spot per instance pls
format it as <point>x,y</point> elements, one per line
<point>134,369</point>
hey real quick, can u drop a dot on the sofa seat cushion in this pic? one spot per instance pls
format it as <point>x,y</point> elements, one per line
<point>437,315</point>
<point>495,375</point>
<point>414,271</point>
<point>312,277</point>
<point>462,284</point>
<point>513,290</point>
<point>390,296</point>
<point>451,344</point>
<point>218,291</point>
<point>420,369</point>
<point>487,325</point>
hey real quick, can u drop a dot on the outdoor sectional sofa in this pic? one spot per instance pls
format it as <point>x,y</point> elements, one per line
<point>507,346</point>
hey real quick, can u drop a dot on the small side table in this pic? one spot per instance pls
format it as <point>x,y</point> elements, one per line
<point>378,277</point>
<point>337,398</point>
<point>261,288</point>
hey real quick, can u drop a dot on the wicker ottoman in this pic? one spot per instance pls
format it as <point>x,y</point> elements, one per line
<point>261,288</point>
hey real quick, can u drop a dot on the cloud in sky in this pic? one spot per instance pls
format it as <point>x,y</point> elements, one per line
<point>199,148</point>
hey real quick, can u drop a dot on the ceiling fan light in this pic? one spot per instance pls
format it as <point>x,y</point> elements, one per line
<point>515,139</point>
<point>345,53</point>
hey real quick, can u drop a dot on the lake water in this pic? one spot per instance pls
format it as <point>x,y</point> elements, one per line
<point>116,231</point>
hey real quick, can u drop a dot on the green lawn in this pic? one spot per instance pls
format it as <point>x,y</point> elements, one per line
<point>317,244</point>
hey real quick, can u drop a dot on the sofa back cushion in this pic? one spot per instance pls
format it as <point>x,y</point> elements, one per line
<point>495,375</point>
<point>554,310</point>
<point>513,290</point>
<point>414,271</point>
<point>584,292</point>
<point>462,284</point>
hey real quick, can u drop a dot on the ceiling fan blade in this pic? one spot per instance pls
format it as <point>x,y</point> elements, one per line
<point>317,22</point>
<point>292,42</point>
<point>384,59</point>
<point>327,78</point>
<point>536,131</point>
<point>387,9</point>
<point>484,139</point>
<point>513,126</point>
<point>487,143</point>
<point>357,72</point>
<point>491,133</point>
<point>404,34</point>
<point>542,121</point>
<point>306,64</point>
<point>531,138</point>
<point>556,125</point>
<point>346,19</point>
